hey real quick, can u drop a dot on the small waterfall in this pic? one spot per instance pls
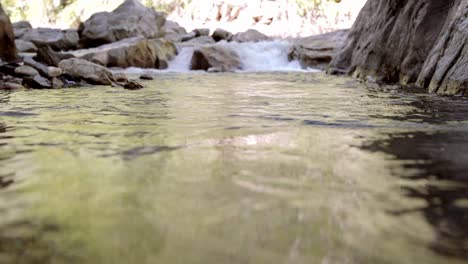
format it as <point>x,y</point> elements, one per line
<point>267,56</point>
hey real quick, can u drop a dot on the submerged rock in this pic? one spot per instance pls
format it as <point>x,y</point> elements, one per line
<point>8,51</point>
<point>215,59</point>
<point>134,52</point>
<point>250,35</point>
<point>318,51</point>
<point>420,42</point>
<point>131,19</point>
<point>55,38</point>
<point>88,71</point>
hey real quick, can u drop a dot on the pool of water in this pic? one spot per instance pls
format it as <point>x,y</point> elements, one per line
<point>233,168</point>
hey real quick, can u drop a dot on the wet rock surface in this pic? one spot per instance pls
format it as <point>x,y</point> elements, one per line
<point>215,59</point>
<point>420,42</point>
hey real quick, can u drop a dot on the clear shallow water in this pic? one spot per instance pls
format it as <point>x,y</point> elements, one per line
<point>233,168</point>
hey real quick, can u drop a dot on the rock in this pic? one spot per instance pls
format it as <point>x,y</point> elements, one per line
<point>188,36</point>
<point>41,68</point>
<point>134,52</point>
<point>132,85</point>
<point>10,86</point>
<point>57,83</point>
<point>49,57</point>
<point>8,51</point>
<point>88,71</point>
<point>420,42</point>
<point>318,51</point>
<point>131,19</point>
<point>21,28</point>
<point>250,35</point>
<point>221,34</point>
<point>215,58</point>
<point>173,31</point>
<point>55,38</point>
<point>37,82</point>
<point>202,40</point>
<point>120,77</point>
<point>54,72</point>
<point>26,71</point>
<point>146,77</point>
<point>21,25</point>
<point>25,46</point>
<point>202,32</point>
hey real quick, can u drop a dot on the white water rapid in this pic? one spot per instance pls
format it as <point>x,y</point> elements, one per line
<point>268,56</point>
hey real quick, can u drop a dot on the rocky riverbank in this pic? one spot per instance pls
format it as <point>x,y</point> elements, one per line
<point>421,43</point>
<point>130,36</point>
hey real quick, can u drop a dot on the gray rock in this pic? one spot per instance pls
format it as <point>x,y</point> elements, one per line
<point>41,68</point>
<point>250,35</point>
<point>133,52</point>
<point>420,42</point>
<point>318,51</point>
<point>202,32</point>
<point>37,82</point>
<point>131,19</point>
<point>173,31</point>
<point>10,86</point>
<point>146,77</point>
<point>215,59</point>
<point>54,72</point>
<point>221,34</point>
<point>21,28</point>
<point>25,46</point>
<point>202,40</point>
<point>189,36</point>
<point>55,38</point>
<point>88,71</point>
<point>57,83</point>
<point>26,71</point>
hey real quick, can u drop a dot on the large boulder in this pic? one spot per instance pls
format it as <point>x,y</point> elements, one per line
<point>133,52</point>
<point>173,31</point>
<point>215,59</point>
<point>221,34</point>
<point>8,51</point>
<point>250,35</point>
<point>88,71</point>
<point>317,51</point>
<point>422,42</point>
<point>131,19</point>
<point>55,38</point>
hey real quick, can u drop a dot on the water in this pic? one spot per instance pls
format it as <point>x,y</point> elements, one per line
<point>265,56</point>
<point>287,167</point>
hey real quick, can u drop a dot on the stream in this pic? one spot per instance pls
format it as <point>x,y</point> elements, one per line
<point>254,167</point>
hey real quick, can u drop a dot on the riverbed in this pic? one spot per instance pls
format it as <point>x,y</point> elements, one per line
<point>273,167</point>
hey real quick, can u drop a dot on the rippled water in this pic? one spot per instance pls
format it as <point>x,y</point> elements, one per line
<point>233,168</point>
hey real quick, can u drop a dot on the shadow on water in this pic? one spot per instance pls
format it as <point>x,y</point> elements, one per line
<point>438,159</point>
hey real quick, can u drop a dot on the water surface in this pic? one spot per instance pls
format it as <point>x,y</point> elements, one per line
<point>233,168</point>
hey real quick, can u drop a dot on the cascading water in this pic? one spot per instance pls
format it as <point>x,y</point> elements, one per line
<point>267,56</point>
